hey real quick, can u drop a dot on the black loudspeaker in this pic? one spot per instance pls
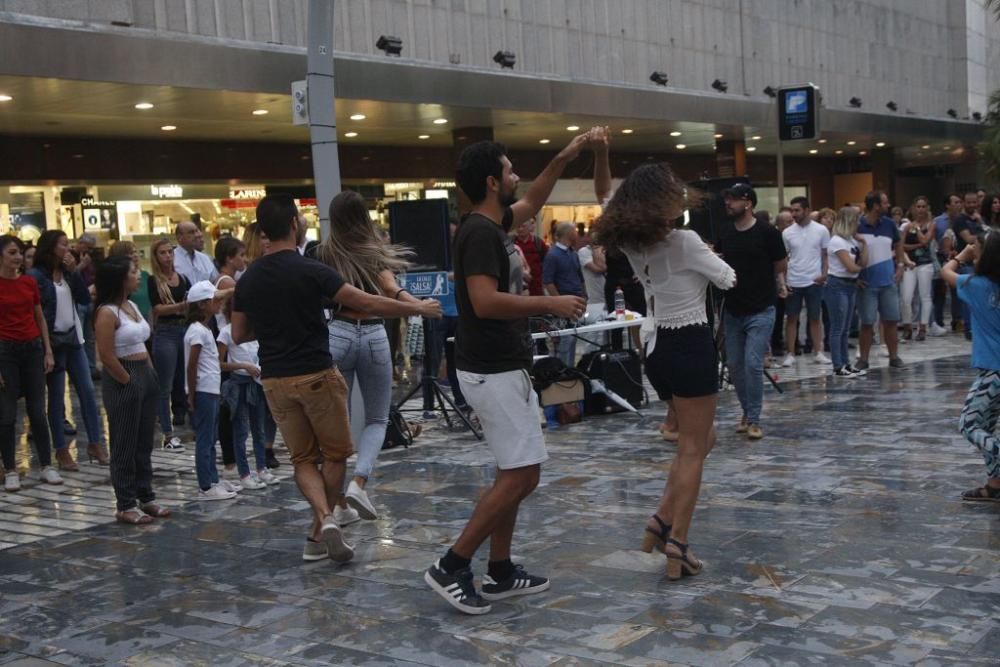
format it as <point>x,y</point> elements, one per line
<point>621,372</point>
<point>707,218</point>
<point>422,226</point>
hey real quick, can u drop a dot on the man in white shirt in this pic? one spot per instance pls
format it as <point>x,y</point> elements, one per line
<point>806,242</point>
<point>593,265</point>
<point>189,260</point>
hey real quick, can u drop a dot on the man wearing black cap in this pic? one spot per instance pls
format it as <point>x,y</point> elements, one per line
<point>758,255</point>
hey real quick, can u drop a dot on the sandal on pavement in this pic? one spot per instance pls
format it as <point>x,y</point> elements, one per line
<point>985,493</point>
<point>679,565</point>
<point>154,510</point>
<point>656,539</point>
<point>134,516</point>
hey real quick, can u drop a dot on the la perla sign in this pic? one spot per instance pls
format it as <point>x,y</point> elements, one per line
<point>166,191</point>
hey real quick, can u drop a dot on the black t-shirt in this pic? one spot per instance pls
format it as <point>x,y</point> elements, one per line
<point>283,296</point>
<point>179,293</point>
<point>962,223</point>
<point>752,254</point>
<point>484,345</point>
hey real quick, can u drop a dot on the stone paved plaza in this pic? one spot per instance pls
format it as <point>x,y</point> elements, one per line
<point>838,539</point>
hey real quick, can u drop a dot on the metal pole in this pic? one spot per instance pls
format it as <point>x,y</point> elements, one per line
<point>322,111</point>
<point>781,174</point>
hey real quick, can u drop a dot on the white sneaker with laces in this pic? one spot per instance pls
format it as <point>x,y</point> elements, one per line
<point>251,483</point>
<point>50,476</point>
<point>821,358</point>
<point>789,361</point>
<point>229,486</point>
<point>358,499</point>
<point>268,477</point>
<point>344,516</point>
<point>936,330</point>
<point>12,481</point>
<point>174,444</point>
<point>217,492</point>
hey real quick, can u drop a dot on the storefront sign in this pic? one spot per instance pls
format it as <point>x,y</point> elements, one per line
<point>247,193</point>
<point>166,191</point>
<point>94,203</point>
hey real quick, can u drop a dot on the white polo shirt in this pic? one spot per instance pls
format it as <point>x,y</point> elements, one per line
<point>806,246</point>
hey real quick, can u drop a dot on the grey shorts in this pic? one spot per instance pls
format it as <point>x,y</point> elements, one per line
<point>507,407</point>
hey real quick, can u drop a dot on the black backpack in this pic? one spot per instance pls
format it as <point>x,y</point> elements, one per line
<point>397,431</point>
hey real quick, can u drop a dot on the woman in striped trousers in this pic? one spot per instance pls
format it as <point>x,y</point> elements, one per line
<point>129,390</point>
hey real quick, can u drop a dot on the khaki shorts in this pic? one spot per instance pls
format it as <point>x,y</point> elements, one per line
<point>311,413</point>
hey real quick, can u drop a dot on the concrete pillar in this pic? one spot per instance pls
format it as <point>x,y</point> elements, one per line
<point>883,161</point>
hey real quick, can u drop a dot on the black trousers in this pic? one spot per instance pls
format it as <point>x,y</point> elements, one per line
<point>22,365</point>
<point>131,410</point>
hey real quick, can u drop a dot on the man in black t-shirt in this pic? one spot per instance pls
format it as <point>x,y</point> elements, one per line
<point>279,301</point>
<point>757,254</point>
<point>493,356</point>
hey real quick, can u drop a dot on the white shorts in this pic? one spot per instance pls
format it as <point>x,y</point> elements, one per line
<point>507,407</point>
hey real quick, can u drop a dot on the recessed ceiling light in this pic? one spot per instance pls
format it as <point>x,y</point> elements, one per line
<point>440,121</point>
<point>572,128</point>
<point>424,136</point>
<point>168,128</point>
<point>947,148</point>
<point>822,141</point>
<point>718,135</point>
<point>675,133</point>
<point>926,147</point>
<point>259,112</point>
<point>5,98</point>
<point>851,143</point>
<point>880,144</point>
<point>350,135</point>
<point>751,149</point>
<point>862,152</point>
<point>813,151</point>
<point>755,137</point>
<point>627,131</point>
<point>142,106</point>
<point>543,141</point>
<point>839,152</point>
<point>681,147</point>
<point>358,116</point>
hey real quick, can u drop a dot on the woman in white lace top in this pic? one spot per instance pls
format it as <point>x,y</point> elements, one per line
<point>675,267</point>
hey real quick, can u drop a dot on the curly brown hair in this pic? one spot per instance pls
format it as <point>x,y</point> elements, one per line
<point>642,210</point>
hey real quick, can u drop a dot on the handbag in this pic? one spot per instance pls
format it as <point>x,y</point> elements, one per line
<point>65,339</point>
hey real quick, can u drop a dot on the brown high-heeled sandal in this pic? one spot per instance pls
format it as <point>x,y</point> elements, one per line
<point>65,460</point>
<point>98,452</point>
<point>681,566</point>
<point>653,539</point>
<point>155,511</point>
<point>134,517</point>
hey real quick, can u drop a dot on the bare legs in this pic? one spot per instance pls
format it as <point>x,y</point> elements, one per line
<point>496,513</point>
<point>321,487</point>
<point>889,336</point>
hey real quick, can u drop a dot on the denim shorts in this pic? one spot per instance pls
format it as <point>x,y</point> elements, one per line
<point>878,302</point>
<point>812,295</point>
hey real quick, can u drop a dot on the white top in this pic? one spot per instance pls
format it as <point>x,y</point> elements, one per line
<point>593,280</point>
<point>65,308</point>
<point>806,245</point>
<point>196,267</point>
<point>130,335</point>
<point>836,266</point>
<point>209,371</point>
<point>676,273</point>
<point>220,317</point>
<point>244,353</point>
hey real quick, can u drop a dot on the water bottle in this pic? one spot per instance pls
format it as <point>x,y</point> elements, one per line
<point>619,303</point>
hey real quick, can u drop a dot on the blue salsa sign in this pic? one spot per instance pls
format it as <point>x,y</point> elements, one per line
<point>430,283</point>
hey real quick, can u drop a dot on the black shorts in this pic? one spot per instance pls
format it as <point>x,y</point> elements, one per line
<point>684,363</point>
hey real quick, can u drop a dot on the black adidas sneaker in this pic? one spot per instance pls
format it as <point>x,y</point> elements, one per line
<point>457,589</point>
<point>518,583</point>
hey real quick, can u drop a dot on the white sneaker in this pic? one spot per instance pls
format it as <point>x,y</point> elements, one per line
<point>230,486</point>
<point>251,483</point>
<point>821,358</point>
<point>336,548</point>
<point>12,482</point>
<point>345,516</point>
<point>268,477</point>
<point>50,476</point>
<point>936,330</point>
<point>174,444</point>
<point>358,499</point>
<point>217,492</point>
<point>789,360</point>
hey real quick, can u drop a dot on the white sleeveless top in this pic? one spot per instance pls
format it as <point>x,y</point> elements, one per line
<point>130,336</point>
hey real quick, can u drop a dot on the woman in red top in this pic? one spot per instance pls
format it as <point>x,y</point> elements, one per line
<point>25,358</point>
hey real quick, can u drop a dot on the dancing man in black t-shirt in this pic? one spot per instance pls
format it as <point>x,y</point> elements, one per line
<point>280,301</point>
<point>493,355</point>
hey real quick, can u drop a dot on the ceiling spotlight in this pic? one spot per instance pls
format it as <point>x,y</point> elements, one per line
<point>681,147</point>
<point>259,112</point>
<point>358,116</point>
<point>392,46</point>
<point>627,131</point>
<point>506,59</point>
<point>977,116</point>
<point>718,135</point>
<point>751,149</point>
<point>821,141</point>
<point>855,102</point>
<point>350,135</point>
<point>543,141</point>
<point>141,106</point>
<point>572,128</point>
<point>424,136</point>
<point>926,147</point>
<point>659,78</point>
<point>862,152</point>
<point>770,92</point>
<point>892,106</point>
<point>720,85</point>
<point>851,143</point>
<point>168,128</point>
<point>675,133</point>
<point>952,113</point>
<point>440,121</point>
<point>755,137</point>
<point>5,98</point>
<point>880,144</point>
<point>947,148</point>
<point>839,152</point>
<point>813,151</point>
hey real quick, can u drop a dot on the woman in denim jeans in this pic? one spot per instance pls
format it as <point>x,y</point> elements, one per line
<point>359,346</point>
<point>167,294</point>
<point>847,254</point>
<point>62,291</point>
<point>25,358</point>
